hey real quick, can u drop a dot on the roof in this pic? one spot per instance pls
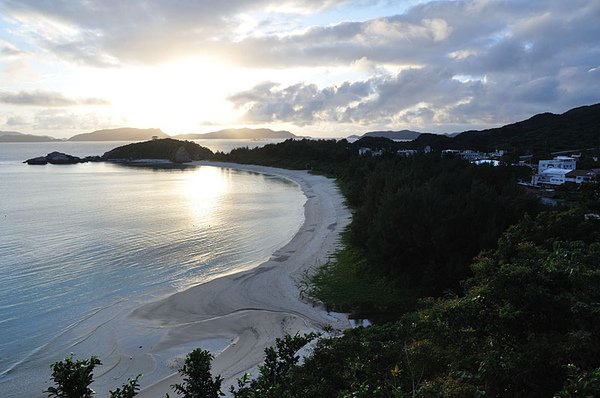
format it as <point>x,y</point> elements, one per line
<point>563,158</point>
<point>555,171</point>
<point>578,173</point>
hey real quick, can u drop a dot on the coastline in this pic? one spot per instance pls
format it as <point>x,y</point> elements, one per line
<point>237,316</point>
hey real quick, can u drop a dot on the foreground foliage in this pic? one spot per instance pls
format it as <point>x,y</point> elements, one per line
<point>275,374</point>
<point>529,314</point>
<point>74,377</point>
<point>197,379</point>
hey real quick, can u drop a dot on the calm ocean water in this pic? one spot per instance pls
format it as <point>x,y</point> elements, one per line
<point>81,245</point>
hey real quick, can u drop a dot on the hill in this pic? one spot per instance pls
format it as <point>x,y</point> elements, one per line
<point>243,133</point>
<point>394,135</point>
<point>578,128</point>
<point>13,136</point>
<point>120,134</point>
<point>166,148</point>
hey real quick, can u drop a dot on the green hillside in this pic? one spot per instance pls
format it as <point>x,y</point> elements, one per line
<point>544,133</point>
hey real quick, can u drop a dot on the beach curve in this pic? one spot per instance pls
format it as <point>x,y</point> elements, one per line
<point>245,312</point>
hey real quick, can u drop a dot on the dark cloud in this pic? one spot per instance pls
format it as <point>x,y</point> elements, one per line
<point>479,63</point>
<point>46,99</point>
<point>431,96</point>
<point>301,103</point>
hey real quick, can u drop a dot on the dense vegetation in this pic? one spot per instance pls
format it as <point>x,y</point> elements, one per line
<point>324,156</point>
<point>521,319</point>
<point>158,149</point>
<point>418,220</point>
<point>541,134</point>
<point>475,288</point>
<point>528,319</point>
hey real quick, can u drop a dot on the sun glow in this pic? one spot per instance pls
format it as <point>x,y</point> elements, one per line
<point>178,97</point>
<point>202,189</point>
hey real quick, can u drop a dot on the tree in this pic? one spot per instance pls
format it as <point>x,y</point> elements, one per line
<point>274,379</point>
<point>197,379</point>
<point>129,389</point>
<point>72,378</point>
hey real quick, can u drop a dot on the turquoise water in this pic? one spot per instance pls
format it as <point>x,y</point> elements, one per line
<point>81,245</point>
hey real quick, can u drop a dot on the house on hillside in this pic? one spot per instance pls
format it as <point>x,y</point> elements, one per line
<point>471,155</point>
<point>580,176</point>
<point>467,154</point>
<point>492,162</point>
<point>369,152</point>
<point>560,170</point>
<point>550,176</point>
<point>406,152</point>
<point>364,151</point>
<point>554,171</point>
<point>559,162</point>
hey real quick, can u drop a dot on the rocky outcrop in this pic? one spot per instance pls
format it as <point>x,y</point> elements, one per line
<point>41,160</point>
<point>61,158</point>
<point>181,156</point>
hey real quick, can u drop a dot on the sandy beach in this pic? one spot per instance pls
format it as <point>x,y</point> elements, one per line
<point>237,316</point>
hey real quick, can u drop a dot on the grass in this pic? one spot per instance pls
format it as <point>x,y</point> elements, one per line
<point>347,284</point>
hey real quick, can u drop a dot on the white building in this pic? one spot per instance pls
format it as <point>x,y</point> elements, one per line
<point>369,152</point>
<point>406,152</point>
<point>364,151</point>
<point>580,176</point>
<point>471,155</point>
<point>492,162</point>
<point>559,162</point>
<point>551,176</point>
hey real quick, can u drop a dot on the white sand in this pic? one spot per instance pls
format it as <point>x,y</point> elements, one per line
<point>239,315</point>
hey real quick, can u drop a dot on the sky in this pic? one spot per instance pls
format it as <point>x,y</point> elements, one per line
<point>326,68</point>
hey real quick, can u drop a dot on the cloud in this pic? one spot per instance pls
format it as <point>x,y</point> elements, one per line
<point>464,62</point>
<point>429,96</point>
<point>13,121</point>
<point>61,120</point>
<point>8,50</point>
<point>301,103</point>
<point>114,32</point>
<point>494,34</point>
<point>46,99</point>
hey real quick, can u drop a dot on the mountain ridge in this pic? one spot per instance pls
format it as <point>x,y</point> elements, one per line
<point>15,136</point>
<point>238,133</point>
<point>543,133</point>
<point>120,134</point>
<point>394,135</point>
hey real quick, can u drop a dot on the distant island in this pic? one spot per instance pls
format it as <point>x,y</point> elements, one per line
<point>120,134</point>
<point>165,149</point>
<point>394,135</point>
<point>135,134</point>
<point>543,133</point>
<point>13,136</point>
<point>242,133</point>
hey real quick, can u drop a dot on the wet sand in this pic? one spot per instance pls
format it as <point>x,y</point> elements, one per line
<point>237,316</point>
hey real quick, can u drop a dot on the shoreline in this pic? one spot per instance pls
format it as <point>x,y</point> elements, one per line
<point>238,315</point>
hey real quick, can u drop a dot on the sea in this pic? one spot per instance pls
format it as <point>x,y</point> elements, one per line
<point>83,245</point>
